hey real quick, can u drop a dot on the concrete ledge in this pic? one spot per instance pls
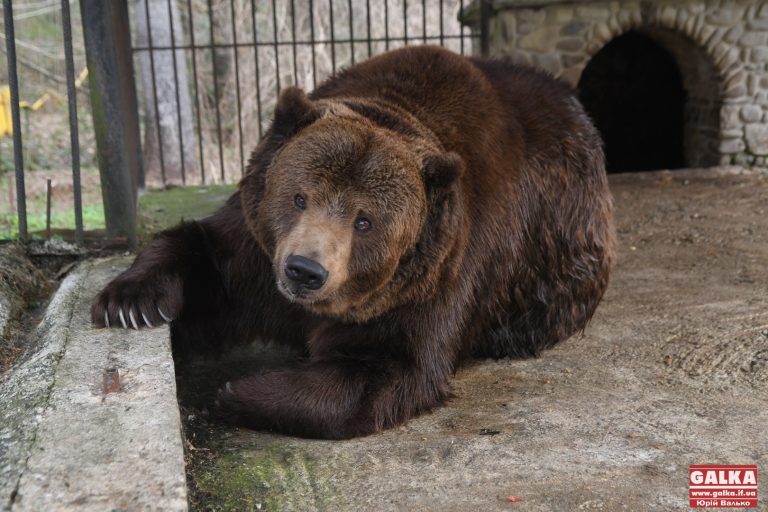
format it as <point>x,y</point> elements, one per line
<point>64,442</point>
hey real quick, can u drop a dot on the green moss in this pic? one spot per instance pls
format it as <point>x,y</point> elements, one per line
<point>161,209</point>
<point>279,477</point>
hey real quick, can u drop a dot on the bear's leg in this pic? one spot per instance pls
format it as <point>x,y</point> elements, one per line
<point>332,399</point>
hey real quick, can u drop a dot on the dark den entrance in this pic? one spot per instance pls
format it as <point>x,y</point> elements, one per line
<point>633,90</point>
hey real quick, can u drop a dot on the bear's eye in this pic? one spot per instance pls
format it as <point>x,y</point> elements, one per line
<point>362,224</point>
<point>300,202</point>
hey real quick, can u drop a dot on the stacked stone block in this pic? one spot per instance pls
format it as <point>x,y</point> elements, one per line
<point>721,47</point>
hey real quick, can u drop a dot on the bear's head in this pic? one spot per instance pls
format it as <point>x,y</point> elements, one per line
<point>358,217</point>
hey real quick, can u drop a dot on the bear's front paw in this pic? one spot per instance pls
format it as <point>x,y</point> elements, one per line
<point>245,402</point>
<point>134,302</point>
<point>228,405</point>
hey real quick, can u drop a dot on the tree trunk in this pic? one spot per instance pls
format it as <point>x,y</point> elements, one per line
<point>172,112</point>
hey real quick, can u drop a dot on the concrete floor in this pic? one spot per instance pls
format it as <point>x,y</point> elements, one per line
<point>672,371</point>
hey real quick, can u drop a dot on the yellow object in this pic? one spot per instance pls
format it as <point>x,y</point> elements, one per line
<point>81,78</point>
<point>6,122</point>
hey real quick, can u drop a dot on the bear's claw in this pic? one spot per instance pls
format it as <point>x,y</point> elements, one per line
<point>138,302</point>
<point>226,388</point>
<point>146,321</point>
<point>165,317</point>
<point>132,318</point>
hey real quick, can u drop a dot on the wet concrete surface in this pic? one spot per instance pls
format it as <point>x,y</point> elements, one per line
<point>672,371</point>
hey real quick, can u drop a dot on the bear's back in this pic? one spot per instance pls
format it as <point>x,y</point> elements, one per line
<point>480,108</point>
<point>444,91</point>
<point>545,110</point>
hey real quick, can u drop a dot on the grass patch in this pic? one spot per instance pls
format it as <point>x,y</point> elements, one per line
<point>157,209</point>
<point>93,217</point>
<point>162,209</point>
<point>62,202</point>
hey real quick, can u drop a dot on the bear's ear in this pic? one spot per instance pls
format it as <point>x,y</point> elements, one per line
<point>294,111</point>
<point>442,170</point>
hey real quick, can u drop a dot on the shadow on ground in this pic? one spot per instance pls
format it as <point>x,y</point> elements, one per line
<point>672,371</point>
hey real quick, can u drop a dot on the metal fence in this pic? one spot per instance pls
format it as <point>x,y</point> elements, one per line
<point>182,90</point>
<point>18,156</point>
<point>280,43</point>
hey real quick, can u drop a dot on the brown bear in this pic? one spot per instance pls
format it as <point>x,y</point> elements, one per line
<point>415,209</point>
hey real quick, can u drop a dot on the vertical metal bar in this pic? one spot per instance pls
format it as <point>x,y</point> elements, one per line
<point>424,21</point>
<point>48,208</point>
<point>333,39</point>
<point>405,22</point>
<point>351,33</point>
<point>276,45</point>
<point>386,24</point>
<point>461,25</point>
<point>154,90</point>
<point>25,136</point>
<point>237,89</point>
<point>442,31</point>
<point>74,134</point>
<point>293,42</point>
<point>485,16</point>
<point>256,65</point>
<point>114,108</point>
<point>11,199</point>
<point>178,96</point>
<point>312,42</point>
<point>197,92</point>
<point>368,23</point>
<point>216,90</point>
<point>18,157</point>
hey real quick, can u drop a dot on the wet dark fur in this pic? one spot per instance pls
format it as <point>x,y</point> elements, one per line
<point>513,256</point>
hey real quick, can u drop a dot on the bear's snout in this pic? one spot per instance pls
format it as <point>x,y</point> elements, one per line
<point>311,261</point>
<point>305,272</point>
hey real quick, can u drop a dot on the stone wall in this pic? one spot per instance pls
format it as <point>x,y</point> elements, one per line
<point>721,47</point>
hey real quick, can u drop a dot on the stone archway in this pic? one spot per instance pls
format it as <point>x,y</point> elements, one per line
<point>655,97</point>
<point>721,51</point>
<point>633,91</point>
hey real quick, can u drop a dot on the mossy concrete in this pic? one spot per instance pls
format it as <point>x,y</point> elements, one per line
<point>66,443</point>
<point>672,371</point>
<point>277,477</point>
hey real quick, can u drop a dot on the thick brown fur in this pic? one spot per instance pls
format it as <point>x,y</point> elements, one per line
<point>491,235</point>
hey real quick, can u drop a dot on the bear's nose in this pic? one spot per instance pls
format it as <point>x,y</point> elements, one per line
<point>306,272</point>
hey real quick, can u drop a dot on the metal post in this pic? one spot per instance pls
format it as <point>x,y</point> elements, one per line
<point>486,10</point>
<point>48,193</point>
<point>115,114</point>
<point>73,128</point>
<point>18,156</point>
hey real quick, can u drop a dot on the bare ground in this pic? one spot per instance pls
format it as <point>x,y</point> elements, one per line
<point>22,288</point>
<point>672,371</point>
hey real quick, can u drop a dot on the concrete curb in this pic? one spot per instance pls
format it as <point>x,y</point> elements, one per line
<point>64,443</point>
